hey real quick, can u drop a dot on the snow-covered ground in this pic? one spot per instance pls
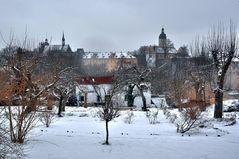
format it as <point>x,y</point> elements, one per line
<point>75,137</point>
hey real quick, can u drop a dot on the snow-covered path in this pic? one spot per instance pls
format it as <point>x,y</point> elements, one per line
<point>74,137</point>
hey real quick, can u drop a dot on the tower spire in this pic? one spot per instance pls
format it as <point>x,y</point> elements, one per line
<point>63,39</point>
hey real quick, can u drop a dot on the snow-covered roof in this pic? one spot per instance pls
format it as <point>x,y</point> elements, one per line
<point>101,55</point>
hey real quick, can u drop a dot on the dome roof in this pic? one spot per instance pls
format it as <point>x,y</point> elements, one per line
<point>162,35</point>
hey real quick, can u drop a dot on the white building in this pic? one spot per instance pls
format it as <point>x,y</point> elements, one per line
<point>92,91</point>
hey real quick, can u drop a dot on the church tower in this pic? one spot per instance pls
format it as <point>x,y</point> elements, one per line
<point>162,39</point>
<point>63,39</point>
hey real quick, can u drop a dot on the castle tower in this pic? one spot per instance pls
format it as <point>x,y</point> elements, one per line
<point>162,39</point>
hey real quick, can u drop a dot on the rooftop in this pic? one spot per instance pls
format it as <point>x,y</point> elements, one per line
<point>101,55</point>
<point>94,80</point>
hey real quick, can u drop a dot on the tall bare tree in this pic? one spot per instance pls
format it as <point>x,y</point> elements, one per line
<point>222,45</point>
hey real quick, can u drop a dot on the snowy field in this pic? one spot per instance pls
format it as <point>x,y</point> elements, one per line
<point>80,134</point>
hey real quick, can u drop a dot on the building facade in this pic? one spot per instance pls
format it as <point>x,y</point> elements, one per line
<point>107,62</point>
<point>93,91</point>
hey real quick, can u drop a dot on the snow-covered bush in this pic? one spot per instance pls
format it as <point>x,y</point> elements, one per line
<point>152,116</point>
<point>230,119</point>
<point>47,117</point>
<point>188,119</point>
<point>170,116</point>
<point>231,105</point>
<point>94,112</point>
<point>129,117</point>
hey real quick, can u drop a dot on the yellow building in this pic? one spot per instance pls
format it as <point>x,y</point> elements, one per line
<point>109,61</point>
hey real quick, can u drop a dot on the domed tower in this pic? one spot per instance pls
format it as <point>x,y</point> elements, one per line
<point>162,39</point>
<point>46,42</point>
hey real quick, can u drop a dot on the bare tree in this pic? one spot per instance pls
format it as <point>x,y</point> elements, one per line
<point>222,45</point>
<point>200,72</point>
<point>27,89</point>
<point>56,62</point>
<point>167,46</point>
<point>62,90</point>
<point>135,77</point>
<point>183,51</point>
<point>178,82</point>
<point>109,106</point>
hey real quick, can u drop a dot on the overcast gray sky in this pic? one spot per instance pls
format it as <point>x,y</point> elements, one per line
<point>113,25</point>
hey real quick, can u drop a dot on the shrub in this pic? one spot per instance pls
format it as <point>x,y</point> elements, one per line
<point>129,117</point>
<point>189,118</point>
<point>47,117</point>
<point>152,116</point>
<point>7,148</point>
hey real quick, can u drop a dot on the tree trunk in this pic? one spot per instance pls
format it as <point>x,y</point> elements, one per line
<point>130,97</point>
<point>144,108</point>
<point>64,101</point>
<point>218,104</point>
<point>218,110</point>
<point>60,107</point>
<point>107,132</point>
<point>85,102</point>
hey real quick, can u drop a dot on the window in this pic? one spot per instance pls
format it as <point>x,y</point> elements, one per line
<point>82,98</point>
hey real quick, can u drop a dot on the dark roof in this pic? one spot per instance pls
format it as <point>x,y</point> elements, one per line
<point>57,48</point>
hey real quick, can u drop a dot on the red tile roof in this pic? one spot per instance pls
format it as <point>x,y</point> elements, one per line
<point>94,80</point>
